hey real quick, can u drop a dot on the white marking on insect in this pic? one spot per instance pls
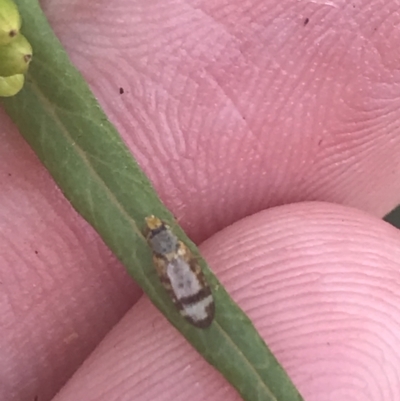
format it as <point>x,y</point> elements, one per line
<point>198,309</point>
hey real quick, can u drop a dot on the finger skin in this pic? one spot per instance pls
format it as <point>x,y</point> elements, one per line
<point>236,107</point>
<point>320,282</point>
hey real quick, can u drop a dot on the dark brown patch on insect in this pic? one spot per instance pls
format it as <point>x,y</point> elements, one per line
<point>192,299</point>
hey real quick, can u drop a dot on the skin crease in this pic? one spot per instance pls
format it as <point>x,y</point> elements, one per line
<point>231,108</point>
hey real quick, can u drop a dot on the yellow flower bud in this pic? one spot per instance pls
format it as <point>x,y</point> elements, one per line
<point>10,21</point>
<point>15,57</point>
<point>10,86</point>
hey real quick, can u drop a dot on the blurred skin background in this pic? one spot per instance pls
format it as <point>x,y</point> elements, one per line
<point>270,130</point>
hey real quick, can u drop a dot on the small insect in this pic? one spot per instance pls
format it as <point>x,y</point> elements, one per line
<point>180,274</point>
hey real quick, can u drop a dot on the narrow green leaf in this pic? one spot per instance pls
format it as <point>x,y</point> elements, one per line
<point>60,119</point>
